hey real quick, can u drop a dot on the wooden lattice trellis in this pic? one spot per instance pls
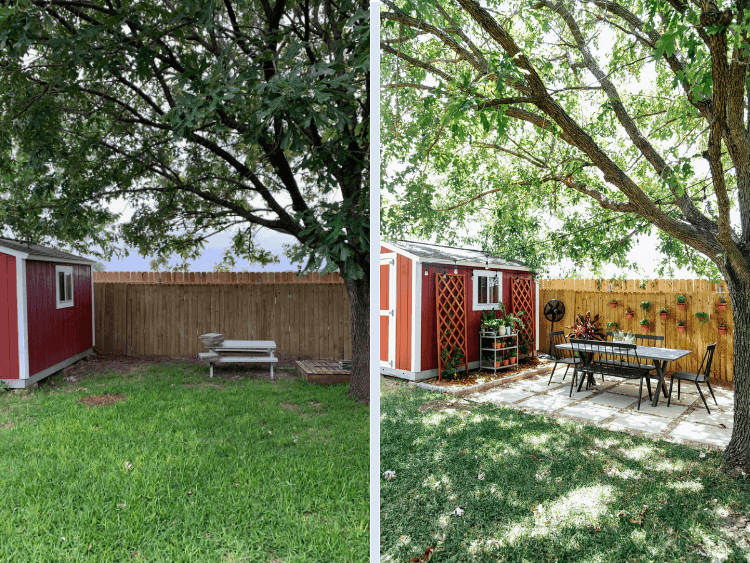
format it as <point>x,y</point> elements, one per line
<point>522,299</point>
<point>450,297</point>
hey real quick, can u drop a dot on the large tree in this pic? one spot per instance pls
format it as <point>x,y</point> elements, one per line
<point>201,117</point>
<point>639,108</point>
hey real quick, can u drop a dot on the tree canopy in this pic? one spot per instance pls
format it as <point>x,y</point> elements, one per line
<point>472,95</point>
<point>202,116</point>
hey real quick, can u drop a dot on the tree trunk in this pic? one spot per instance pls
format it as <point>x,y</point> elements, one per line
<point>738,450</point>
<point>359,299</point>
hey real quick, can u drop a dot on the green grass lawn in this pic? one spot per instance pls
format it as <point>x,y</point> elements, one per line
<point>537,489</point>
<point>184,469</point>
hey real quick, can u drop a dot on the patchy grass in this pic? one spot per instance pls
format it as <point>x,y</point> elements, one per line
<point>162,464</point>
<point>535,489</point>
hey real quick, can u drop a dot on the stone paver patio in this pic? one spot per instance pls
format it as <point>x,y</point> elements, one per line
<point>613,404</point>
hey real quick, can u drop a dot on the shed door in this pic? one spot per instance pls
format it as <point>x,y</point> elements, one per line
<point>387,312</point>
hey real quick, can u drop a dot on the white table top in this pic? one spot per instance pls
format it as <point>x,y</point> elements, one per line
<point>644,352</point>
<point>242,345</point>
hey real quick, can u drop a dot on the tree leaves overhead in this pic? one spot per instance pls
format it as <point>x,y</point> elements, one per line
<point>199,117</point>
<point>526,125</point>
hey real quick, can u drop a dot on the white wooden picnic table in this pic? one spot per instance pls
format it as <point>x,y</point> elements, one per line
<point>240,352</point>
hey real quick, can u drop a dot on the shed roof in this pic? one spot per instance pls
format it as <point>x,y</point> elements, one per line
<point>427,252</point>
<point>44,253</point>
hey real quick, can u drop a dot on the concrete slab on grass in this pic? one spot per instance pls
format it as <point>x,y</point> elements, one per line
<point>704,433</point>
<point>611,400</point>
<point>506,395</point>
<point>589,412</point>
<point>548,403</point>
<point>672,411</point>
<point>716,418</point>
<point>638,421</point>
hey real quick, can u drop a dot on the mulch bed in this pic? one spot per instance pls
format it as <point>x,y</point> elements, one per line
<point>101,400</point>
<point>475,377</point>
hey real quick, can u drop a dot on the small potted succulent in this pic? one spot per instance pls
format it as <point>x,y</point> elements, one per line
<point>681,327</point>
<point>612,326</point>
<point>613,303</point>
<point>644,325</point>
<point>702,317</point>
<point>681,299</point>
<point>722,304</point>
<point>629,313</point>
<point>664,313</point>
<point>645,305</point>
<point>722,329</point>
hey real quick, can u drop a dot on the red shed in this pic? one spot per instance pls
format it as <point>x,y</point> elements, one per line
<point>46,311</point>
<point>408,302</point>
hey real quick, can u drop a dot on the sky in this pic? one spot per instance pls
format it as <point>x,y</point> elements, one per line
<point>269,240</point>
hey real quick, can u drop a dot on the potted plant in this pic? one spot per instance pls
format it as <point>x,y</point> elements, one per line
<point>722,304</point>
<point>722,329</point>
<point>586,328</point>
<point>613,303</point>
<point>702,317</point>
<point>681,302</point>
<point>644,325</point>
<point>513,355</point>
<point>506,360</point>
<point>681,327</point>
<point>498,344</point>
<point>664,313</point>
<point>629,313</point>
<point>645,305</point>
<point>488,323</point>
<point>513,322</point>
<point>612,326</point>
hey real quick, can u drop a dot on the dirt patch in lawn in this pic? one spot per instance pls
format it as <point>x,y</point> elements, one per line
<point>96,365</point>
<point>101,400</point>
<point>6,425</point>
<point>443,405</point>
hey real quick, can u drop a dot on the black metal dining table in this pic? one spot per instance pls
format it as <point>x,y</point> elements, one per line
<point>660,356</point>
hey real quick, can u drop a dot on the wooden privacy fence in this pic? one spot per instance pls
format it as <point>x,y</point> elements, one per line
<point>215,277</point>
<point>580,296</point>
<point>305,320</point>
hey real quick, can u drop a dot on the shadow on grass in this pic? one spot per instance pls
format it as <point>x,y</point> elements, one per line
<point>536,489</point>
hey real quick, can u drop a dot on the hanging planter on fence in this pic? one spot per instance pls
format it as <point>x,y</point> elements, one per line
<point>644,325</point>
<point>681,305</point>
<point>722,329</point>
<point>613,304</point>
<point>681,327</point>
<point>664,313</point>
<point>629,313</point>
<point>722,304</point>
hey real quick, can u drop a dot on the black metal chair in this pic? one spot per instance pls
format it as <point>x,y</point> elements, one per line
<point>701,377</point>
<point>644,340</point>
<point>561,356</point>
<point>615,359</point>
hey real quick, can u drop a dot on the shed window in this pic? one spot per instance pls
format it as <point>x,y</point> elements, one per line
<point>64,286</point>
<point>487,289</point>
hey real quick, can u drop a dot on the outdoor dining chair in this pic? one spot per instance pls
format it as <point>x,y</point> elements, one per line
<point>561,356</point>
<point>701,377</point>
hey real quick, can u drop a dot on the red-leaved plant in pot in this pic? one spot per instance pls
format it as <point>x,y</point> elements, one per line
<point>586,328</point>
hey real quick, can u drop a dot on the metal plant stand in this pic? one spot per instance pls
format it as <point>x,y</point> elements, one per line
<point>487,342</point>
